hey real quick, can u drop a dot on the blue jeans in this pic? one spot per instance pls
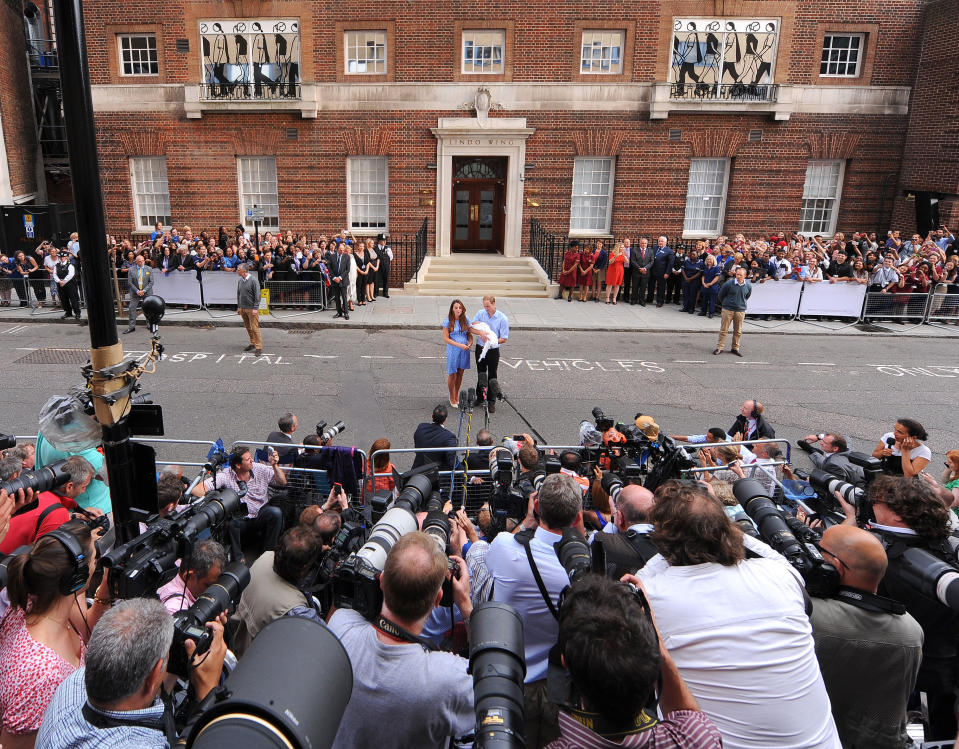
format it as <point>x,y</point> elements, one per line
<point>269,520</point>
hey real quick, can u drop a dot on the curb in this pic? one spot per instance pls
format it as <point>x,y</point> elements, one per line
<point>227,322</point>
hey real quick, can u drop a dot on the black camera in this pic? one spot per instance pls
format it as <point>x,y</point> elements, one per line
<point>148,561</point>
<point>7,441</point>
<point>783,533</point>
<point>574,554</point>
<point>355,580</point>
<point>498,666</point>
<point>190,624</point>
<point>40,480</point>
<point>326,432</point>
<point>603,422</point>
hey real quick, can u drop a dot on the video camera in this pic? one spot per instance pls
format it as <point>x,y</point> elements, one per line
<point>190,623</point>
<point>144,564</point>
<point>326,432</point>
<point>509,499</point>
<point>826,484</point>
<point>356,579</point>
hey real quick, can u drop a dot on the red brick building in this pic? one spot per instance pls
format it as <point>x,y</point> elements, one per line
<point>683,117</point>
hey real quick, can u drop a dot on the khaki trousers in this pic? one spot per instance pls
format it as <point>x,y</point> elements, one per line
<point>251,321</point>
<point>736,318</point>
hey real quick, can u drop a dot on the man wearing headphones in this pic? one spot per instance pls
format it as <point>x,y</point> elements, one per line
<point>257,477</point>
<point>750,424</point>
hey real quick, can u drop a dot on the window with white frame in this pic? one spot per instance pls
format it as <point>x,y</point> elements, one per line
<point>841,55</point>
<point>592,199</point>
<point>151,191</point>
<point>602,52</point>
<point>365,52</point>
<point>138,54</point>
<point>706,197</point>
<point>256,176</point>
<point>366,187</point>
<point>483,51</point>
<point>820,197</point>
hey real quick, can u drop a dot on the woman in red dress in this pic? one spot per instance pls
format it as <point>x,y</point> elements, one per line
<point>614,272</point>
<point>570,275</point>
<point>587,261</point>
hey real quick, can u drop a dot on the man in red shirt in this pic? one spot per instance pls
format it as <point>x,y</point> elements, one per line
<point>51,507</point>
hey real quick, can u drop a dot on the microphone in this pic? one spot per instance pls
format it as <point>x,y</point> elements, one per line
<point>463,400</point>
<point>471,397</point>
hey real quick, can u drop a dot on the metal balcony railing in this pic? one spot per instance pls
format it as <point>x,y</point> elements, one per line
<point>727,92</point>
<point>42,54</point>
<point>250,91</point>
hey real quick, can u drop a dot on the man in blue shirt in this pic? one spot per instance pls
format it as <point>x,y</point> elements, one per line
<point>558,505</point>
<point>487,367</point>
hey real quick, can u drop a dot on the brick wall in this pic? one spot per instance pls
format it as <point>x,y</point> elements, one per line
<point>545,41</point>
<point>765,188</point>
<point>16,102</point>
<point>931,156</point>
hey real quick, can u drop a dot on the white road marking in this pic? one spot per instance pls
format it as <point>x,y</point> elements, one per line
<point>321,356</point>
<point>25,348</point>
<point>365,356</point>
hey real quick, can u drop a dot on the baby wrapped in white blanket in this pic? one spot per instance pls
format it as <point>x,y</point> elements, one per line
<point>491,340</point>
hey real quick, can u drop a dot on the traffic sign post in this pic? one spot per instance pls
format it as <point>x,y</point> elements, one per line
<point>28,224</point>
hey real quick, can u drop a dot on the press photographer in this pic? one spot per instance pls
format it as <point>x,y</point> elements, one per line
<point>114,700</point>
<point>405,693</point>
<point>46,629</point>
<point>913,525</point>
<point>863,639</point>
<point>256,478</point>
<point>528,575</point>
<point>609,644</point>
<point>629,546</point>
<point>207,560</point>
<point>709,598</point>
<point>831,456</point>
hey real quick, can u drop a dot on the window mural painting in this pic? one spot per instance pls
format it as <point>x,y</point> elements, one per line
<point>251,58</point>
<point>727,58</point>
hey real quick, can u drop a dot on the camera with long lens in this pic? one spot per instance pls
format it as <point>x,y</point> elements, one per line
<point>923,571</point>
<point>574,554</point>
<point>190,623</point>
<point>509,500</point>
<point>144,564</point>
<point>40,480</point>
<point>327,432</point>
<point>356,579</point>
<point>498,666</point>
<point>7,441</point>
<point>780,532</point>
<point>270,700</point>
<point>348,539</point>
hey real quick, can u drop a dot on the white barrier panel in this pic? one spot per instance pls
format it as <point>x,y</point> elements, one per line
<point>177,287</point>
<point>774,298</point>
<point>841,299</point>
<point>219,287</point>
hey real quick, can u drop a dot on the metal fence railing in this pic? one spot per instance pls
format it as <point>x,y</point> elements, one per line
<point>897,307</point>
<point>724,92</point>
<point>944,305</point>
<point>303,296</point>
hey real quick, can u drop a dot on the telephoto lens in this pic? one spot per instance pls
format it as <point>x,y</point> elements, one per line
<point>573,553</point>
<point>40,480</point>
<point>612,485</point>
<point>498,665</point>
<point>213,509</point>
<point>437,525</point>
<point>767,517</point>
<point>271,702</point>
<point>826,483</point>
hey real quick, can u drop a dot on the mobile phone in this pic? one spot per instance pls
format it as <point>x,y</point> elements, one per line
<point>338,487</point>
<point>518,438</point>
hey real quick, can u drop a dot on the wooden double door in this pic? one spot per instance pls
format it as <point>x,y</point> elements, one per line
<point>478,215</point>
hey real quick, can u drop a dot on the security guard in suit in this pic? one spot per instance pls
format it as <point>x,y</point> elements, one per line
<point>140,284</point>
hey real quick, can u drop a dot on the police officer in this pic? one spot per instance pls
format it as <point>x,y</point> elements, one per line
<point>385,253</point>
<point>712,275</point>
<point>692,274</point>
<point>66,278</point>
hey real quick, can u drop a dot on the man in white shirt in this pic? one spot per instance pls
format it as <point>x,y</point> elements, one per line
<point>737,628</point>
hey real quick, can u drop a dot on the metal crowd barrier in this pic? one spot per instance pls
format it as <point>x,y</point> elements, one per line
<point>306,296</point>
<point>18,290</point>
<point>896,306</point>
<point>943,307</point>
<point>305,477</point>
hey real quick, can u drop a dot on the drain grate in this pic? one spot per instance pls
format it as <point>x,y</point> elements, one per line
<point>55,356</point>
<point>300,331</point>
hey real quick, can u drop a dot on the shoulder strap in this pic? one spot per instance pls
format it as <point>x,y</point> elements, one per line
<point>43,516</point>
<point>524,539</point>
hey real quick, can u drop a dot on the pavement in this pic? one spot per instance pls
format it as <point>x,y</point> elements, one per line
<point>402,311</point>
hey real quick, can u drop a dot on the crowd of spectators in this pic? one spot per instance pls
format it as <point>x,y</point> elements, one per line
<point>742,655</point>
<point>691,275</point>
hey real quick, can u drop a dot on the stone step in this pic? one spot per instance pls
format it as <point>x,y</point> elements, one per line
<point>477,275</point>
<point>541,293</point>
<point>486,275</point>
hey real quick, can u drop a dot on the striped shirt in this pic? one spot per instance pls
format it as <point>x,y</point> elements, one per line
<point>256,487</point>
<point>681,729</point>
